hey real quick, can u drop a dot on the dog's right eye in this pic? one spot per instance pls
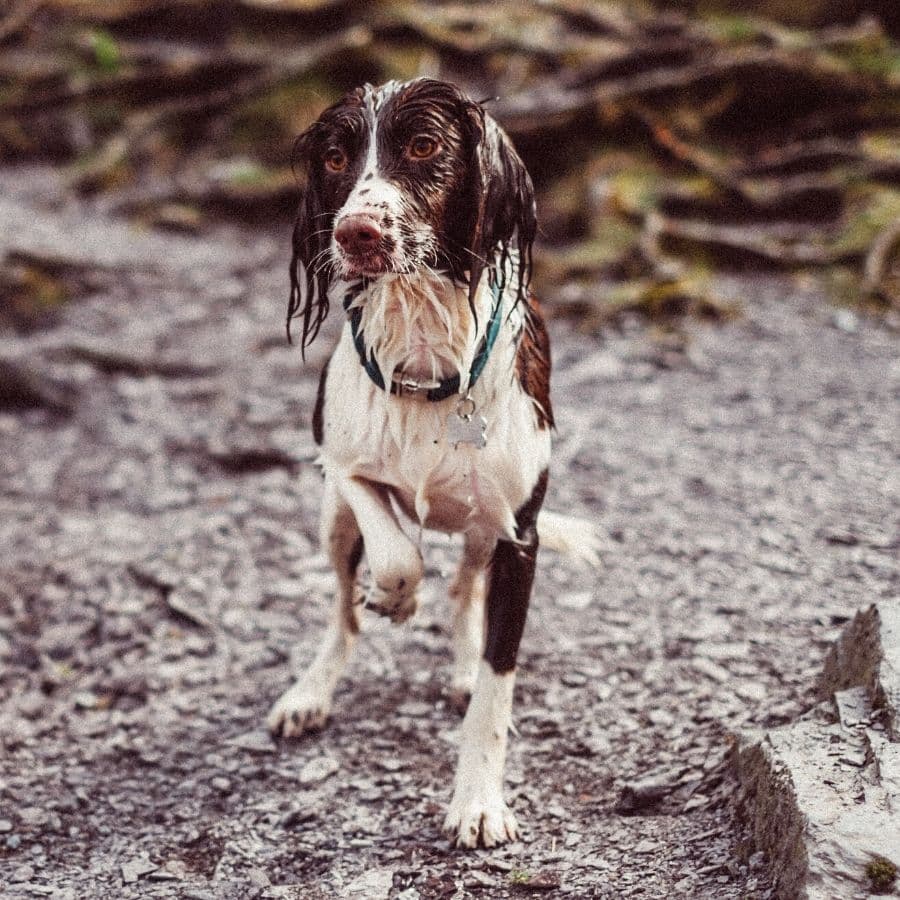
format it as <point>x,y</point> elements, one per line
<point>335,160</point>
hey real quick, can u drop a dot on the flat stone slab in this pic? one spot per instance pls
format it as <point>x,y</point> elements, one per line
<point>868,654</point>
<point>822,795</point>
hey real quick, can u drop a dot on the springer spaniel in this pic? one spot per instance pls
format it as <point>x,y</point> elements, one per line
<point>418,217</point>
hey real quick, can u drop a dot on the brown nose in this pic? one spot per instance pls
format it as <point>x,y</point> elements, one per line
<point>358,234</point>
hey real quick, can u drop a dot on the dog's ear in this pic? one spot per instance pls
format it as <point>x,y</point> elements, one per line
<point>505,218</point>
<point>309,282</point>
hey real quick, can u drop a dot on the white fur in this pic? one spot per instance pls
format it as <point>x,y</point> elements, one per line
<point>376,196</point>
<point>402,442</point>
<point>467,597</point>
<point>478,813</point>
<point>571,536</point>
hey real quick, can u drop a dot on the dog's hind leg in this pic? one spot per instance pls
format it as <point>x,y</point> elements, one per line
<point>478,813</point>
<point>307,703</point>
<point>467,598</point>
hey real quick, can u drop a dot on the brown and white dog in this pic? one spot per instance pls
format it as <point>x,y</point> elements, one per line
<point>417,216</point>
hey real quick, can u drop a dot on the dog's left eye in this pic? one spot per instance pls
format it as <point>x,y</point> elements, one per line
<point>422,147</point>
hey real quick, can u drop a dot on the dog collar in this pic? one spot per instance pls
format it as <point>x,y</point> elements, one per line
<point>433,390</point>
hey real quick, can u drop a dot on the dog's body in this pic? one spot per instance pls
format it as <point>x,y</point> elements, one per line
<point>418,217</point>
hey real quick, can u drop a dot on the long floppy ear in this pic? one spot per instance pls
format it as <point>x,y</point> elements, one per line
<point>309,265</point>
<point>505,220</point>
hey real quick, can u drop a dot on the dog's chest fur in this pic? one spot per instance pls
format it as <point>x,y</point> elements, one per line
<point>402,441</point>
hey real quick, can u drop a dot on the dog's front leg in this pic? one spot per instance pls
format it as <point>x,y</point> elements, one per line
<point>394,560</point>
<point>307,703</point>
<point>478,813</point>
<point>467,599</point>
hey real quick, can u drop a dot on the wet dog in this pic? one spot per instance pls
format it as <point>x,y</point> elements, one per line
<point>417,217</point>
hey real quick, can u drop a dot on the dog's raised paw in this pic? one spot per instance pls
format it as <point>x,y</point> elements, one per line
<point>397,603</point>
<point>479,822</point>
<point>297,710</point>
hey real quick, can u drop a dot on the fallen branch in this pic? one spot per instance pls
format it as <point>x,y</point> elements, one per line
<point>128,141</point>
<point>18,17</point>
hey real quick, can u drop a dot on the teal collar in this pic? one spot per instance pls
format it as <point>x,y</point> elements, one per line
<point>436,390</point>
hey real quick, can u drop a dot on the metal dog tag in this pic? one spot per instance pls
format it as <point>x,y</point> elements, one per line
<point>464,428</point>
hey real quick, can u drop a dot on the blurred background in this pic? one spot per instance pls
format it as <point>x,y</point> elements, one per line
<point>667,140</point>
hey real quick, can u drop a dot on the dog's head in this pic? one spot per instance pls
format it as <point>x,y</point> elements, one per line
<point>405,178</point>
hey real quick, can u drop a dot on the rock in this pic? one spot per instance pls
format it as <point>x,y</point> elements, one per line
<point>221,784</point>
<point>638,796</point>
<point>33,816</point>
<point>21,873</point>
<point>374,884</point>
<point>254,741</point>
<point>868,654</point>
<point>24,386</point>
<point>574,679</point>
<point>821,794</point>
<point>134,869</point>
<point>478,879</point>
<point>318,769</point>
<point>845,320</point>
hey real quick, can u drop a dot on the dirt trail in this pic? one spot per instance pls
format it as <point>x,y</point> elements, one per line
<point>159,579</point>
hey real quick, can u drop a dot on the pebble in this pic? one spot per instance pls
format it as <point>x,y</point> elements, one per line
<point>374,884</point>
<point>415,710</point>
<point>254,741</point>
<point>318,769</point>
<point>845,320</point>
<point>21,873</point>
<point>135,868</point>
<point>645,846</point>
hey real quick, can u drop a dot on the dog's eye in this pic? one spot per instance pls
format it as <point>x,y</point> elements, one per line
<point>422,147</point>
<point>335,160</point>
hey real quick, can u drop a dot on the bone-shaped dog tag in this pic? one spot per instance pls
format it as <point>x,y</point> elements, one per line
<point>464,428</point>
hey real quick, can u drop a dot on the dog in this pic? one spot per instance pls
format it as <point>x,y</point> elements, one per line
<point>418,217</point>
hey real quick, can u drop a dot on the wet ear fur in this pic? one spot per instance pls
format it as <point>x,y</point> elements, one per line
<point>309,265</point>
<point>505,218</point>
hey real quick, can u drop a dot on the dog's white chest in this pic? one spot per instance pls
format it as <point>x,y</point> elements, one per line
<point>449,471</point>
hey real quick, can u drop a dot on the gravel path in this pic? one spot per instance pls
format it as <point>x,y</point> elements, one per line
<point>159,580</point>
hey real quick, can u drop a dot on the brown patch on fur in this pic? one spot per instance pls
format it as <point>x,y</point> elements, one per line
<point>533,363</point>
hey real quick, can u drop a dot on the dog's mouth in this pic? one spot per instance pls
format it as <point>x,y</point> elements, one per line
<point>366,264</point>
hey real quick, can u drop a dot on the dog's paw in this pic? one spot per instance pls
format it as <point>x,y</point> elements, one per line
<point>300,708</point>
<point>397,602</point>
<point>479,818</point>
<point>395,576</point>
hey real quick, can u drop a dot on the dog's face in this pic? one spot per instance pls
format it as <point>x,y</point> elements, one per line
<point>391,165</point>
<point>406,178</point>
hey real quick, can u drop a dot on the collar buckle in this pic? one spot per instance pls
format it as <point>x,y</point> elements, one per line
<point>410,385</point>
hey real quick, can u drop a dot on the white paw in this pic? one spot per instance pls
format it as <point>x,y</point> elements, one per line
<point>300,708</point>
<point>479,818</point>
<point>397,600</point>
<point>395,575</point>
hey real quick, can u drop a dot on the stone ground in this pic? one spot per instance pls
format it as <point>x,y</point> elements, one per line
<point>160,580</point>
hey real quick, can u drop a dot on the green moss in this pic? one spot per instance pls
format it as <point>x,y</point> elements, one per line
<point>105,49</point>
<point>734,29</point>
<point>881,872</point>
<point>870,210</point>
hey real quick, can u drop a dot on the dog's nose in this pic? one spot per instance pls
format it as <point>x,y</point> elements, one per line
<point>358,233</point>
